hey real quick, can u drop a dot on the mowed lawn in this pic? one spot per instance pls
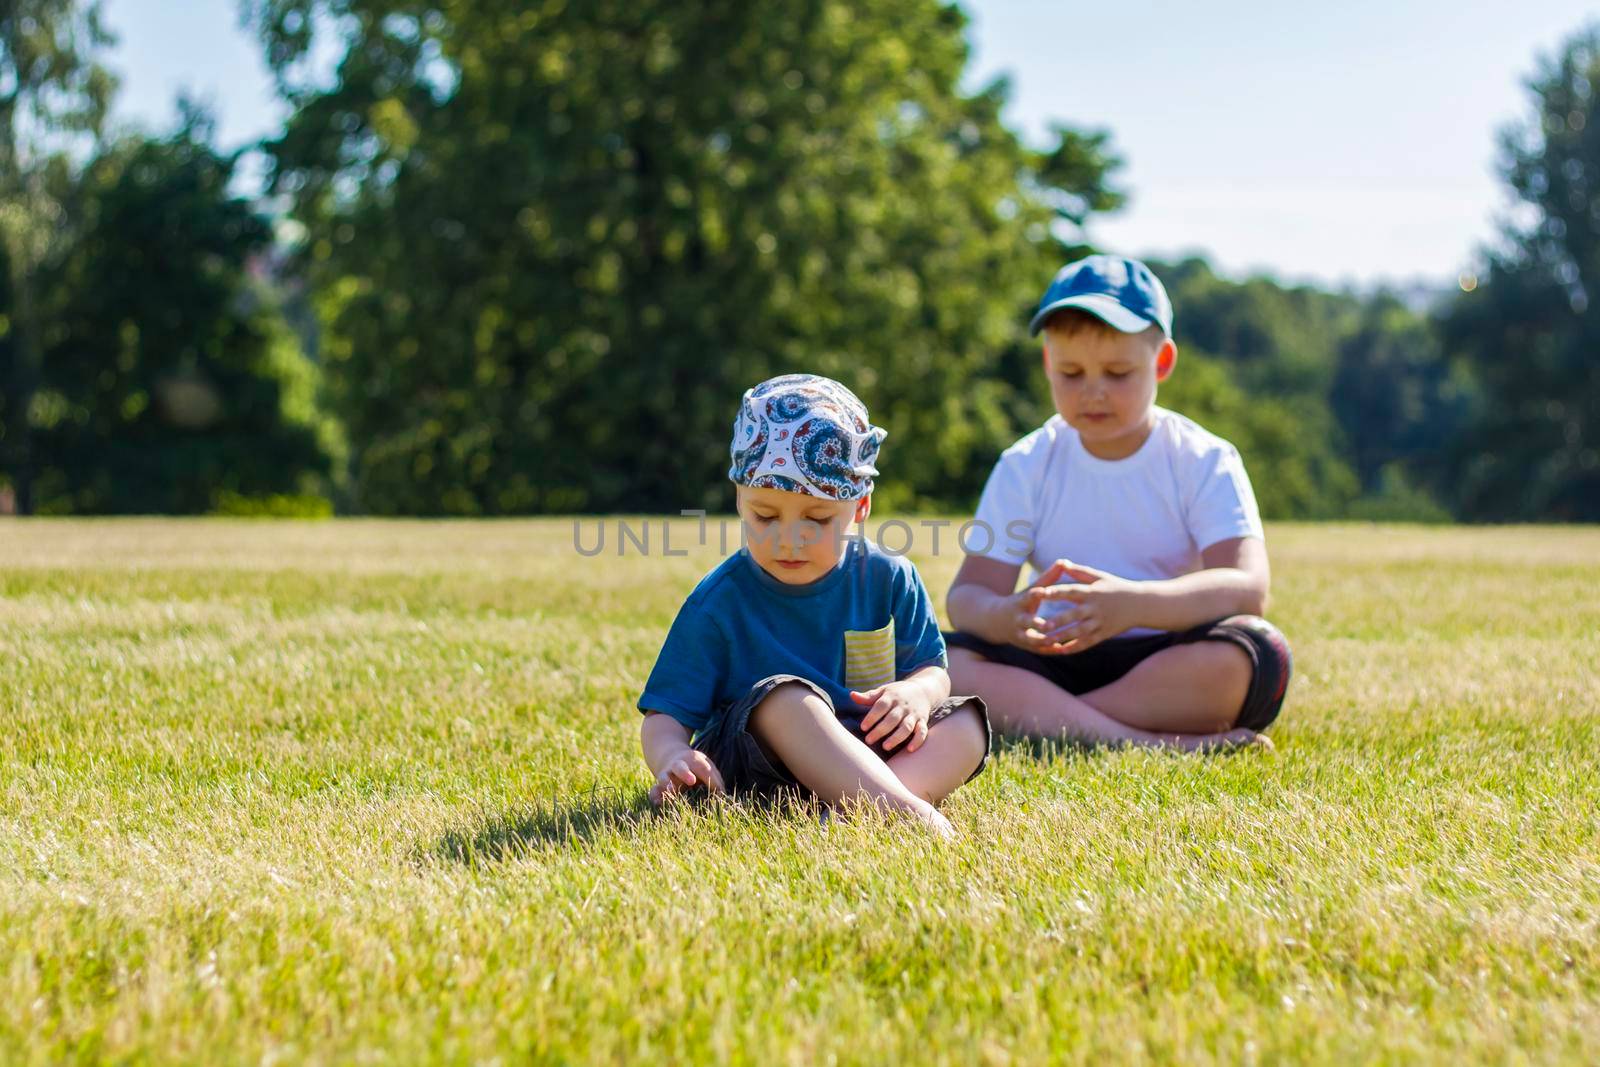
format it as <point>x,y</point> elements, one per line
<point>368,792</point>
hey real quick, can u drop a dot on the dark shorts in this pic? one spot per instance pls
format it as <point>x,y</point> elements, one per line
<point>747,768</point>
<point>1102,664</point>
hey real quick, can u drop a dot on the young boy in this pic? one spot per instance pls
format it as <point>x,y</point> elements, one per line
<point>1140,621</point>
<point>810,658</point>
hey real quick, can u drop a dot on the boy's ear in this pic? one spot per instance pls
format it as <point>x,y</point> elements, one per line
<point>863,508</point>
<point>1166,359</point>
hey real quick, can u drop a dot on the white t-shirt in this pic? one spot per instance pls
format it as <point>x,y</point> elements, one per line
<point>1144,517</point>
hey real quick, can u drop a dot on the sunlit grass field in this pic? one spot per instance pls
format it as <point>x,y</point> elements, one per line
<point>362,792</point>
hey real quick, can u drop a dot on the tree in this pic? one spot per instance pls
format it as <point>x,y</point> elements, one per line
<point>169,380</point>
<point>53,96</point>
<point>553,244</point>
<point>1397,399</point>
<point>1278,340</point>
<point>1530,330</point>
<point>1335,393</point>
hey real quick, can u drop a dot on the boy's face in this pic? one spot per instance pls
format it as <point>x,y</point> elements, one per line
<point>795,537</point>
<point>1103,383</point>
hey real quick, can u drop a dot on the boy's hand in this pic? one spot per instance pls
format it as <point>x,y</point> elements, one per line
<point>1027,628</point>
<point>687,769</point>
<point>1103,607</point>
<point>899,714</point>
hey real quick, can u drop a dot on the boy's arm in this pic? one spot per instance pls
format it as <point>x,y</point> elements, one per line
<point>680,689</point>
<point>934,682</point>
<point>1234,581</point>
<point>675,765</point>
<point>975,602</point>
<point>663,739</point>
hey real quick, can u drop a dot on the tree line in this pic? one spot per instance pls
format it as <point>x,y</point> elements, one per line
<point>521,259</point>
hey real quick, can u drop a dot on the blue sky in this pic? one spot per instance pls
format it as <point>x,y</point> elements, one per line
<point>1349,142</point>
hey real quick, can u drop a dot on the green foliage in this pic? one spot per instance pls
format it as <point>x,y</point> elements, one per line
<point>1397,398</point>
<point>1529,332</point>
<point>273,506</point>
<point>552,244</point>
<point>10,399</point>
<point>1396,498</point>
<point>166,376</point>
<point>54,83</point>
<point>547,246</point>
<point>53,98</point>
<point>1340,404</point>
<point>1277,340</point>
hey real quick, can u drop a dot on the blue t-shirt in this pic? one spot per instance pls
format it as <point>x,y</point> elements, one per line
<point>865,623</point>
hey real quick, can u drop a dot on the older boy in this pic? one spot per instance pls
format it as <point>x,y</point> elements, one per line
<point>1140,622</point>
<point>810,659</point>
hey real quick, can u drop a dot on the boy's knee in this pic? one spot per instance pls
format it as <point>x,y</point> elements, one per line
<point>1223,670</point>
<point>1235,672</point>
<point>1265,636</point>
<point>1247,664</point>
<point>1230,662</point>
<point>785,702</point>
<point>1269,649</point>
<point>1272,664</point>
<point>967,731</point>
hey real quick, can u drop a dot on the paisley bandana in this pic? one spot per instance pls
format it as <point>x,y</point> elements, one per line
<point>805,434</point>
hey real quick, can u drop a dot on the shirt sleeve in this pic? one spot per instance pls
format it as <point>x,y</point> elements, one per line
<point>693,660</point>
<point>1222,504</point>
<point>917,641</point>
<point>1003,527</point>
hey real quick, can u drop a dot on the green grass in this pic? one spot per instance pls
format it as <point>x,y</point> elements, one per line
<point>371,792</point>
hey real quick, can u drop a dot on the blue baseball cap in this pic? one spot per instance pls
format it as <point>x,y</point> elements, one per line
<point>1123,292</point>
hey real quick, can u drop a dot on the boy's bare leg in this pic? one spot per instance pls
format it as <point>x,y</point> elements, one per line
<point>952,750</point>
<point>801,729</point>
<point>1021,702</point>
<point>1194,688</point>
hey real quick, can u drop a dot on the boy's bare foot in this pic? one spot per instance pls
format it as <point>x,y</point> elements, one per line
<point>936,823</point>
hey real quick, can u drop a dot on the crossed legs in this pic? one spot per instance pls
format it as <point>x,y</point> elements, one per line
<point>800,728</point>
<point>1186,696</point>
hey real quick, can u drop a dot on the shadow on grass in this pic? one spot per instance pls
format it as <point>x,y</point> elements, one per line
<point>1046,749</point>
<point>569,823</point>
<point>577,822</point>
